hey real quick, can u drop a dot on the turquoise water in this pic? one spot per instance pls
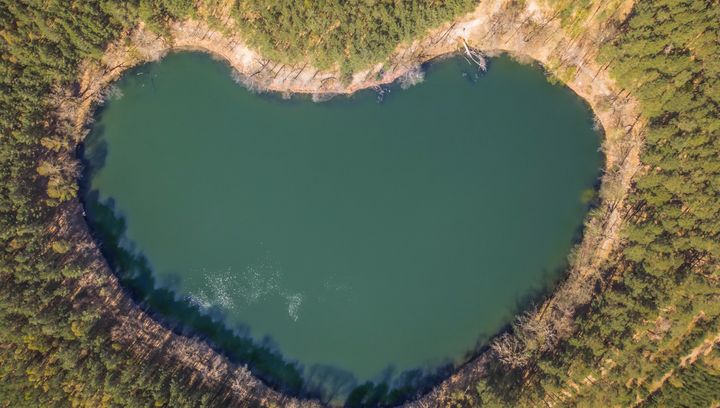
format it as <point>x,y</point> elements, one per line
<point>355,240</point>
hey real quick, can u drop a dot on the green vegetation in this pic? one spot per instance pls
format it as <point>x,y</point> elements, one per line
<point>695,385</point>
<point>348,35</point>
<point>353,34</point>
<point>662,298</point>
<point>661,301</point>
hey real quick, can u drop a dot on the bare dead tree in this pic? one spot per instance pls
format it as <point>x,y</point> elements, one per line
<point>510,351</point>
<point>530,337</point>
<point>475,56</point>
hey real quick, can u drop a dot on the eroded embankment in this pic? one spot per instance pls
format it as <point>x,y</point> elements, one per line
<point>532,31</point>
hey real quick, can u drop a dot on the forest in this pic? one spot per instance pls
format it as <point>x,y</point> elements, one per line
<point>648,337</point>
<point>658,308</point>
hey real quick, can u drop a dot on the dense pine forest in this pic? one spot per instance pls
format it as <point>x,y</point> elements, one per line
<point>649,336</point>
<point>659,311</point>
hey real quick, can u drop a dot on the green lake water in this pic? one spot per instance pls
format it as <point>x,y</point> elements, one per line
<point>353,239</point>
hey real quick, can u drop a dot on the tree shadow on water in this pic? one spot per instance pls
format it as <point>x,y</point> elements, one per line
<point>178,314</point>
<point>325,382</point>
<point>387,389</point>
<point>330,384</point>
<point>93,154</point>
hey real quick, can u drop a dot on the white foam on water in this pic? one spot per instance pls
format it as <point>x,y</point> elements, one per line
<point>231,290</point>
<point>294,301</point>
<point>258,281</point>
<point>221,286</point>
<point>200,300</point>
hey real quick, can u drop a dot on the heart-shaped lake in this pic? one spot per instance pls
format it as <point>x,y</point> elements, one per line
<point>359,239</point>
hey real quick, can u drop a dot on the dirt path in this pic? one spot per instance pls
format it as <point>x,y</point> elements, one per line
<point>531,33</point>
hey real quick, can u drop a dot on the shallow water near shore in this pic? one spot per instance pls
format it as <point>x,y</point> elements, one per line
<point>345,241</point>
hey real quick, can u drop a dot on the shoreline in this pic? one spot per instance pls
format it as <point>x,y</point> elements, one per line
<point>520,37</point>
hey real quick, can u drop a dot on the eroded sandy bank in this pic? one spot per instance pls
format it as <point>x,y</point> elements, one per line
<point>532,32</point>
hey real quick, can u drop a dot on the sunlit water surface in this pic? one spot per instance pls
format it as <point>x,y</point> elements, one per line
<point>358,239</point>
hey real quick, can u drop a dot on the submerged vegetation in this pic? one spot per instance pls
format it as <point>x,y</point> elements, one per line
<point>649,336</point>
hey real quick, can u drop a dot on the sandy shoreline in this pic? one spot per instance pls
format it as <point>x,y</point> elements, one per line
<point>531,33</point>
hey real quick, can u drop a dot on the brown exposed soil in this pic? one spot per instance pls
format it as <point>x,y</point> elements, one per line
<point>531,32</point>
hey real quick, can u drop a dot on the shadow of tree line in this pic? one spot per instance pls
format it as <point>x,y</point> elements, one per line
<point>132,268</point>
<point>324,382</point>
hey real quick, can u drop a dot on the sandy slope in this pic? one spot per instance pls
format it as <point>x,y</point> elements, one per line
<point>531,33</point>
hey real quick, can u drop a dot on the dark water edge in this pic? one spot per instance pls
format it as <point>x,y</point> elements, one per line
<point>263,358</point>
